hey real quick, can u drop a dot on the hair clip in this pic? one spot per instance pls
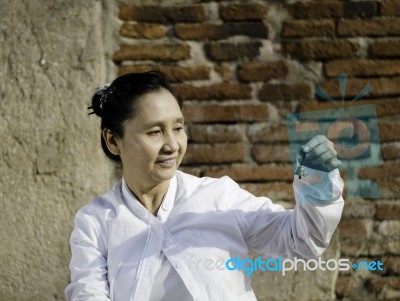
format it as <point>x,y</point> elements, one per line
<point>101,91</point>
<point>103,88</point>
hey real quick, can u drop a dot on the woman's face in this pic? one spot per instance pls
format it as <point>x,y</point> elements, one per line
<point>154,140</point>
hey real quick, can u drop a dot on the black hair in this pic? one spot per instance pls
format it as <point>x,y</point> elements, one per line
<point>118,102</point>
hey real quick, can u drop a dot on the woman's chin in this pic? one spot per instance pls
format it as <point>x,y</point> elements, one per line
<point>165,174</point>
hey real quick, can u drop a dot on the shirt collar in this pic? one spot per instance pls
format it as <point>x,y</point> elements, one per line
<point>138,209</point>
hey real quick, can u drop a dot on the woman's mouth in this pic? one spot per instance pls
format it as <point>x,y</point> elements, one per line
<point>166,163</point>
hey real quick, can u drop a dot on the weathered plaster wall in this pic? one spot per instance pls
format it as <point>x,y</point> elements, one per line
<point>51,58</point>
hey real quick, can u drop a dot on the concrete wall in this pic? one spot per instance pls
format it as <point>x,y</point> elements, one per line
<point>52,58</point>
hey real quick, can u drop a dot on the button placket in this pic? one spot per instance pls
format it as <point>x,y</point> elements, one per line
<point>158,231</point>
<point>168,201</point>
<point>150,260</point>
<point>166,205</point>
<point>175,256</point>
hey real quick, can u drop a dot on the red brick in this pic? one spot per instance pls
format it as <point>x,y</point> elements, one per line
<point>164,52</point>
<point>276,191</point>
<point>267,132</point>
<point>356,209</point>
<point>224,71</point>
<point>386,170</point>
<point>217,133</point>
<point>242,12</point>
<point>255,72</point>
<point>387,48</point>
<point>257,173</point>
<point>361,9</point>
<point>308,28</point>
<point>390,189</point>
<point>316,9</point>
<point>215,153</point>
<point>267,153</point>
<point>162,14</point>
<point>390,8</point>
<point>226,112</point>
<point>385,247</point>
<point>344,286</point>
<point>383,27</point>
<point>222,31</point>
<point>173,73</point>
<point>196,171</point>
<point>218,51</point>
<point>355,230</point>
<point>362,68</point>
<point>126,12</point>
<point>272,92</point>
<point>384,86</point>
<point>390,150</point>
<point>389,130</point>
<point>384,107</point>
<point>392,265</point>
<point>218,91</point>
<point>379,284</point>
<point>387,211</point>
<point>369,247</point>
<point>320,50</point>
<point>142,31</point>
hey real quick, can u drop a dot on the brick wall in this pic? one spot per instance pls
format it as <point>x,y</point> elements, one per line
<point>241,67</point>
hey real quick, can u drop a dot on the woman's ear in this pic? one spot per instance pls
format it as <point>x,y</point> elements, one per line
<point>111,141</point>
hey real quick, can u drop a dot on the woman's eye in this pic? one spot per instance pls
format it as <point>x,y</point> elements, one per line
<point>154,133</point>
<point>178,129</point>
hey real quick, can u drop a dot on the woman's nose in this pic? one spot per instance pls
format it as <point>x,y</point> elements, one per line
<point>170,143</point>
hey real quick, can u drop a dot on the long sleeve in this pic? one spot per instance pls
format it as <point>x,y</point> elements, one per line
<point>304,231</point>
<point>89,260</point>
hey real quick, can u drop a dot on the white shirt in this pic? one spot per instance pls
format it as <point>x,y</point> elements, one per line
<point>119,249</point>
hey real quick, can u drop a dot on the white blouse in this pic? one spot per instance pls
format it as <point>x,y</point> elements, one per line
<point>121,252</point>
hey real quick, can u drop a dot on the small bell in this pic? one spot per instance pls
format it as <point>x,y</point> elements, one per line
<point>300,171</point>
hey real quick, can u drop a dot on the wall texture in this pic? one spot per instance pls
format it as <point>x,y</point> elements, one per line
<point>51,60</point>
<point>241,66</point>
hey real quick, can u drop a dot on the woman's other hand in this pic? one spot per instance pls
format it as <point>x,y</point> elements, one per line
<point>318,153</point>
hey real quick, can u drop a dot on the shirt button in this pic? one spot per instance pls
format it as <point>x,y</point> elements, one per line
<point>179,266</point>
<point>165,206</point>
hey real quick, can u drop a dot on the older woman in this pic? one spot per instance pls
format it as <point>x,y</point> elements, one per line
<point>145,239</point>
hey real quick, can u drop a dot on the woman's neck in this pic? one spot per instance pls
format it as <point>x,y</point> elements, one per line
<point>151,196</point>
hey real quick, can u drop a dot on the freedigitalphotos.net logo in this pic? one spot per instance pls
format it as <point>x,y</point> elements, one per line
<point>249,266</point>
<point>353,130</point>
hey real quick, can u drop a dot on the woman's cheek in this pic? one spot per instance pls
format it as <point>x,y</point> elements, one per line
<point>183,142</point>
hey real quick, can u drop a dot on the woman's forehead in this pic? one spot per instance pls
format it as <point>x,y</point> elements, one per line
<point>158,107</point>
<point>157,100</point>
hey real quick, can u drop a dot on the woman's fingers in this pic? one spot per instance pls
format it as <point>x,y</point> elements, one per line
<point>313,143</point>
<point>319,153</point>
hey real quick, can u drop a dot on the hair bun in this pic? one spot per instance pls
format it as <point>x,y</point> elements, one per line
<point>96,106</point>
<point>99,99</point>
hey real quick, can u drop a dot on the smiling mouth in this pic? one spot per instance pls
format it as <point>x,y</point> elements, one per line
<point>166,163</point>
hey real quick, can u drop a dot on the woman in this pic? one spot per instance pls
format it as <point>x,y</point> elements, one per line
<point>148,237</point>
